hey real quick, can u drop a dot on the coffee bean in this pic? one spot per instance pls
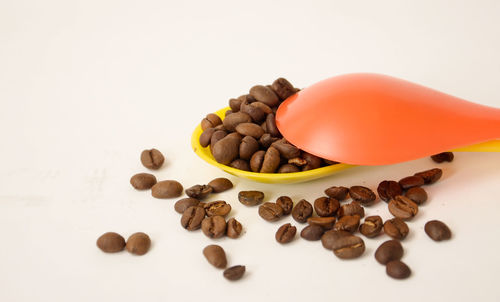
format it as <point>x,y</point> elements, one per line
<point>235,104</point>
<point>402,207</point>
<point>217,208</point>
<point>199,191</point>
<point>283,88</point>
<point>389,189</point>
<point>234,228</point>
<point>353,208</point>
<point>256,160</point>
<point>330,237</point>
<point>210,121</point>
<point>288,168</point>
<point>250,198</point>
<point>430,176</point>
<point>234,119</point>
<point>389,251</point>
<point>192,217</point>
<point>138,243</point>
<point>220,184</point>
<point>267,140</point>
<point>166,189</point>
<point>326,206</point>
<point>271,161</point>
<point>348,247</point>
<point>411,181</point>
<point>286,149</point>
<point>143,181</point>
<point>347,223</point>
<point>234,273</point>
<point>220,127</point>
<point>247,98</point>
<point>417,195</point>
<point>181,205</point>
<point>325,222</point>
<point>371,227</point>
<point>250,129</point>
<point>266,109</point>
<point>214,226</point>
<point>228,112</point>
<point>265,95</point>
<point>397,269</point>
<point>271,125</point>
<point>339,193</point>
<point>297,161</point>
<point>206,136</point>
<point>152,159</point>
<point>270,211</point>
<point>257,114</point>
<point>111,242</point>
<point>240,164</point>
<point>302,210</point>
<point>285,233</point>
<point>312,232</point>
<point>396,228</point>
<point>217,136</point>
<point>248,147</point>
<point>215,255</point>
<point>437,230</point>
<point>285,203</point>
<point>227,149</point>
<point>363,195</point>
<point>313,162</point>
<point>442,157</point>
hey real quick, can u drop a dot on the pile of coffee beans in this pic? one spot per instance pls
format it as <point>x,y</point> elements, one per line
<point>248,138</point>
<point>216,256</point>
<point>137,244</point>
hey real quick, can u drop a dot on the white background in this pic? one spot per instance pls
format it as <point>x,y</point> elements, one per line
<point>85,86</point>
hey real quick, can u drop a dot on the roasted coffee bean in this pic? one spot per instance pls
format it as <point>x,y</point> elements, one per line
<point>250,198</point>
<point>282,88</point>
<point>437,230</point>
<point>330,162</point>
<point>181,205</point>
<point>255,113</point>
<point>288,168</point>
<point>402,207</point>
<point>267,140</point>
<point>325,222</point>
<point>396,228</point>
<point>266,109</point>
<point>442,157</point>
<point>234,228</point>
<point>411,181</point>
<point>417,195</point>
<point>270,211</point>
<point>152,159</point>
<point>297,161</point>
<point>347,223</point>
<point>250,129</point>
<point>138,243</point>
<point>227,149</point>
<point>217,136</point>
<point>248,147</point>
<point>217,208</point>
<point>430,176</point>
<point>302,210</point>
<point>265,95</point>
<point>206,136</point>
<point>228,112</point>
<point>312,232</point>
<point>339,193</point>
<point>220,127</point>
<point>363,195</point>
<point>199,191</point>
<point>397,269</point>
<point>286,149</point>
<point>234,273</point>
<point>235,104</point>
<point>247,98</point>
<point>389,251</point>
<point>372,226</point>
<point>214,226</point>
<point>240,164</point>
<point>389,189</point>
<point>285,233</point>
<point>192,217</point>
<point>166,189</point>
<point>210,121</point>
<point>313,162</point>
<point>353,208</point>
<point>285,203</point>
<point>271,161</point>
<point>111,242</point>
<point>326,206</point>
<point>257,160</point>
<point>331,236</point>
<point>348,247</point>
<point>215,255</point>
<point>271,125</point>
<point>234,119</point>
<point>220,184</point>
<point>143,181</point>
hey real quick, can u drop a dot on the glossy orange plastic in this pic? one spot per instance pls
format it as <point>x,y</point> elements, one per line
<point>373,119</point>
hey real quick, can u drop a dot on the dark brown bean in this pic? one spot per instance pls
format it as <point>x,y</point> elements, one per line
<point>214,226</point>
<point>328,239</point>
<point>271,125</point>
<point>347,223</point>
<point>220,184</point>
<point>143,181</point>
<point>256,160</point>
<point>285,203</point>
<point>152,159</point>
<point>270,211</point>
<point>234,119</point>
<point>250,129</point>
<point>389,189</point>
<point>227,149</point>
<point>437,230</point>
<point>312,232</point>
<point>430,176</point>
<point>266,109</point>
<point>199,191</point>
<point>417,195</point>
<point>411,181</point>
<point>192,217</point>
<point>271,161</point>
<point>348,247</point>
<point>325,222</point>
<point>217,136</point>
<point>286,149</point>
<point>372,226</point>
<point>388,251</point>
<point>313,162</point>
<point>442,157</point>
<point>248,147</point>
<point>228,112</point>
<point>363,195</point>
<point>339,193</point>
<point>397,270</point>
<point>288,168</point>
<point>234,228</point>
<point>326,206</point>
<point>210,121</point>
<point>285,233</point>
<point>256,113</point>
<point>396,228</point>
<point>206,136</point>
<point>234,273</point>
<point>302,210</point>
<point>166,189</point>
<point>240,164</point>
<point>267,140</point>
<point>181,205</point>
<point>402,207</point>
<point>138,243</point>
<point>111,242</point>
<point>217,208</point>
<point>265,95</point>
<point>235,104</point>
<point>215,255</point>
<point>250,198</point>
<point>283,88</point>
<point>353,208</point>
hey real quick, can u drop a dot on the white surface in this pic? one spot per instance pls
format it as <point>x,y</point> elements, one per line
<point>86,85</point>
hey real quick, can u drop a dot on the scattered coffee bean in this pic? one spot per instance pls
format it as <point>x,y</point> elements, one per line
<point>349,223</point>
<point>389,189</point>
<point>389,251</point>
<point>250,198</point>
<point>372,226</point>
<point>214,226</point>
<point>210,121</point>
<point>302,210</point>
<point>143,181</point>
<point>417,195</point>
<point>166,189</point>
<point>217,208</point>
<point>152,159</point>
<point>331,236</point>
<point>285,203</point>
<point>325,222</point>
<point>199,191</point>
<point>339,193</point>
<point>192,217</point>
<point>397,269</point>
<point>430,176</point>
<point>220,184</point>
<point>348,247</point>
<point>312,232</point>
<point>353,208</point>
<point>138,243</point>
<point>234,273</point>
<point>270,211</point>
<point>215,255</point>
<point>111,242</point>
<point>411,181</point>
<point>182,204</point>
<point>402,207</point>
<point>326,206</point>
<point>363,195</point>
<point>234,228</point>
<point>442,157</point>
<point>437,230</point>
<point>285,233</point>
<point>396,228</point>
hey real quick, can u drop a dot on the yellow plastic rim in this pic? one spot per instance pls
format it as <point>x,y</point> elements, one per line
<point>295,177</point>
